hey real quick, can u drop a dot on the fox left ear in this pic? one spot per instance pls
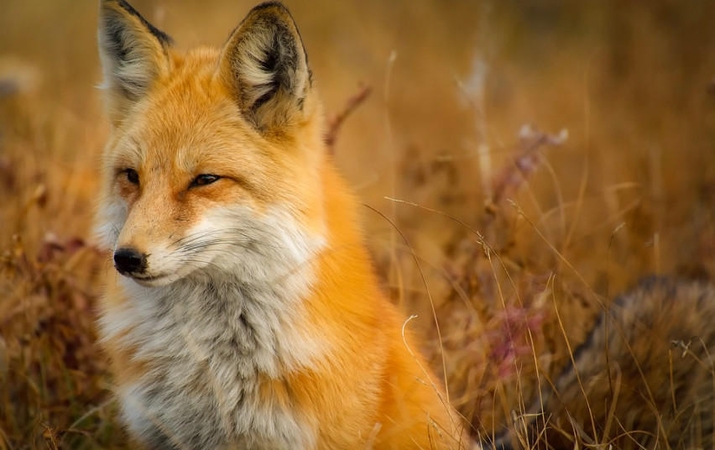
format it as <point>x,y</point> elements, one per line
<point>265,64</point>
<point>133,52</point>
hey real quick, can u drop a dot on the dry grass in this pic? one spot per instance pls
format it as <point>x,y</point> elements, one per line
<point>502,232</point>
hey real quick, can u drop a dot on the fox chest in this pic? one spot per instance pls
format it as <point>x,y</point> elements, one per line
<point>167,414</point>
<point>209,400</point>
<point>198,377</point>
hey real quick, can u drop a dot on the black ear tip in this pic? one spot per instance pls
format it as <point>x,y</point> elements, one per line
<point>119,7</point>
<point>272,9</point>
<point>270,5</point>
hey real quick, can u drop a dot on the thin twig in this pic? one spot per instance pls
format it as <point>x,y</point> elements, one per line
<point>335,122</point>
<point>524,163</point>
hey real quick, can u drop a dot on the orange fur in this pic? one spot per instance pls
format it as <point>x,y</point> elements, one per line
<point>351,376</point>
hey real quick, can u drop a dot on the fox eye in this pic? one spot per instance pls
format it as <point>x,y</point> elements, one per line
<point>204,179</point>
<point>132,176</point>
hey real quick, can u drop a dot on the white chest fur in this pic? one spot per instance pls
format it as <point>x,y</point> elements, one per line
<point>208,340</point>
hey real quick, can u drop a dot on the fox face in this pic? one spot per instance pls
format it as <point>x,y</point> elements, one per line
<point>212,154</point>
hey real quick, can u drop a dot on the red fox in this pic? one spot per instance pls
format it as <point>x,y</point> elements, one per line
<point>247,314</point>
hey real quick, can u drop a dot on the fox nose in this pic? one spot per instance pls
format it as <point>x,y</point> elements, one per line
<point>128,260</point>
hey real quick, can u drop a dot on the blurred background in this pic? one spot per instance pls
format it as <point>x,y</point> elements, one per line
<point>483,227</point>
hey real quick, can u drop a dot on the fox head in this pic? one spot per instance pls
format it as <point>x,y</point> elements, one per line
<point>213,161</point>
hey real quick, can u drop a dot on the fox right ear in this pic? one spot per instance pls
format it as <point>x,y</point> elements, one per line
<point>265,64</point>
<point>133,54</point>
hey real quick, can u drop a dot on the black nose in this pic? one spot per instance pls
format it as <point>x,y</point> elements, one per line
<point>127,260</point>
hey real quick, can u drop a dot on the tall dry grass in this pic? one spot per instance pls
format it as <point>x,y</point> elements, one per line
<point>484,234</point>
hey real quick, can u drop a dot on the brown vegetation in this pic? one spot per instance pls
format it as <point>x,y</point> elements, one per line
<point>510,242</point>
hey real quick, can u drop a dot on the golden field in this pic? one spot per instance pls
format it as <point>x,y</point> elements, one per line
<point>505,243</point>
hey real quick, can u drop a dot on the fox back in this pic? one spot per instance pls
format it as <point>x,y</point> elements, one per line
<point>245,313</point>
<point>643,378</point>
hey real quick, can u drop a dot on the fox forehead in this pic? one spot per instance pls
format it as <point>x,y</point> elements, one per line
<point>189,122</point>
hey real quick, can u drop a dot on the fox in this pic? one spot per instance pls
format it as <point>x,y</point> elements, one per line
<point>245,311</point>
<point>643,378</point>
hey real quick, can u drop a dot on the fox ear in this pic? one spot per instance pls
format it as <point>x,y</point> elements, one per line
<point>133,54</point>
<point>266,66</point>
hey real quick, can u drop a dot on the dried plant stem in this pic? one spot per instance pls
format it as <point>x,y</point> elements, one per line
<point>336,121</point>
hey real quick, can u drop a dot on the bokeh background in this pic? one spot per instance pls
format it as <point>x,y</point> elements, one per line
<point>485,228</point>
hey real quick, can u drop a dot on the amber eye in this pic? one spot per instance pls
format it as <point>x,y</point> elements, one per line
<point>204,179</point>
<point>132,176</point>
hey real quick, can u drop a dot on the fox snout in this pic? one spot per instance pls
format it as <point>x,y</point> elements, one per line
<point>128,261</point>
